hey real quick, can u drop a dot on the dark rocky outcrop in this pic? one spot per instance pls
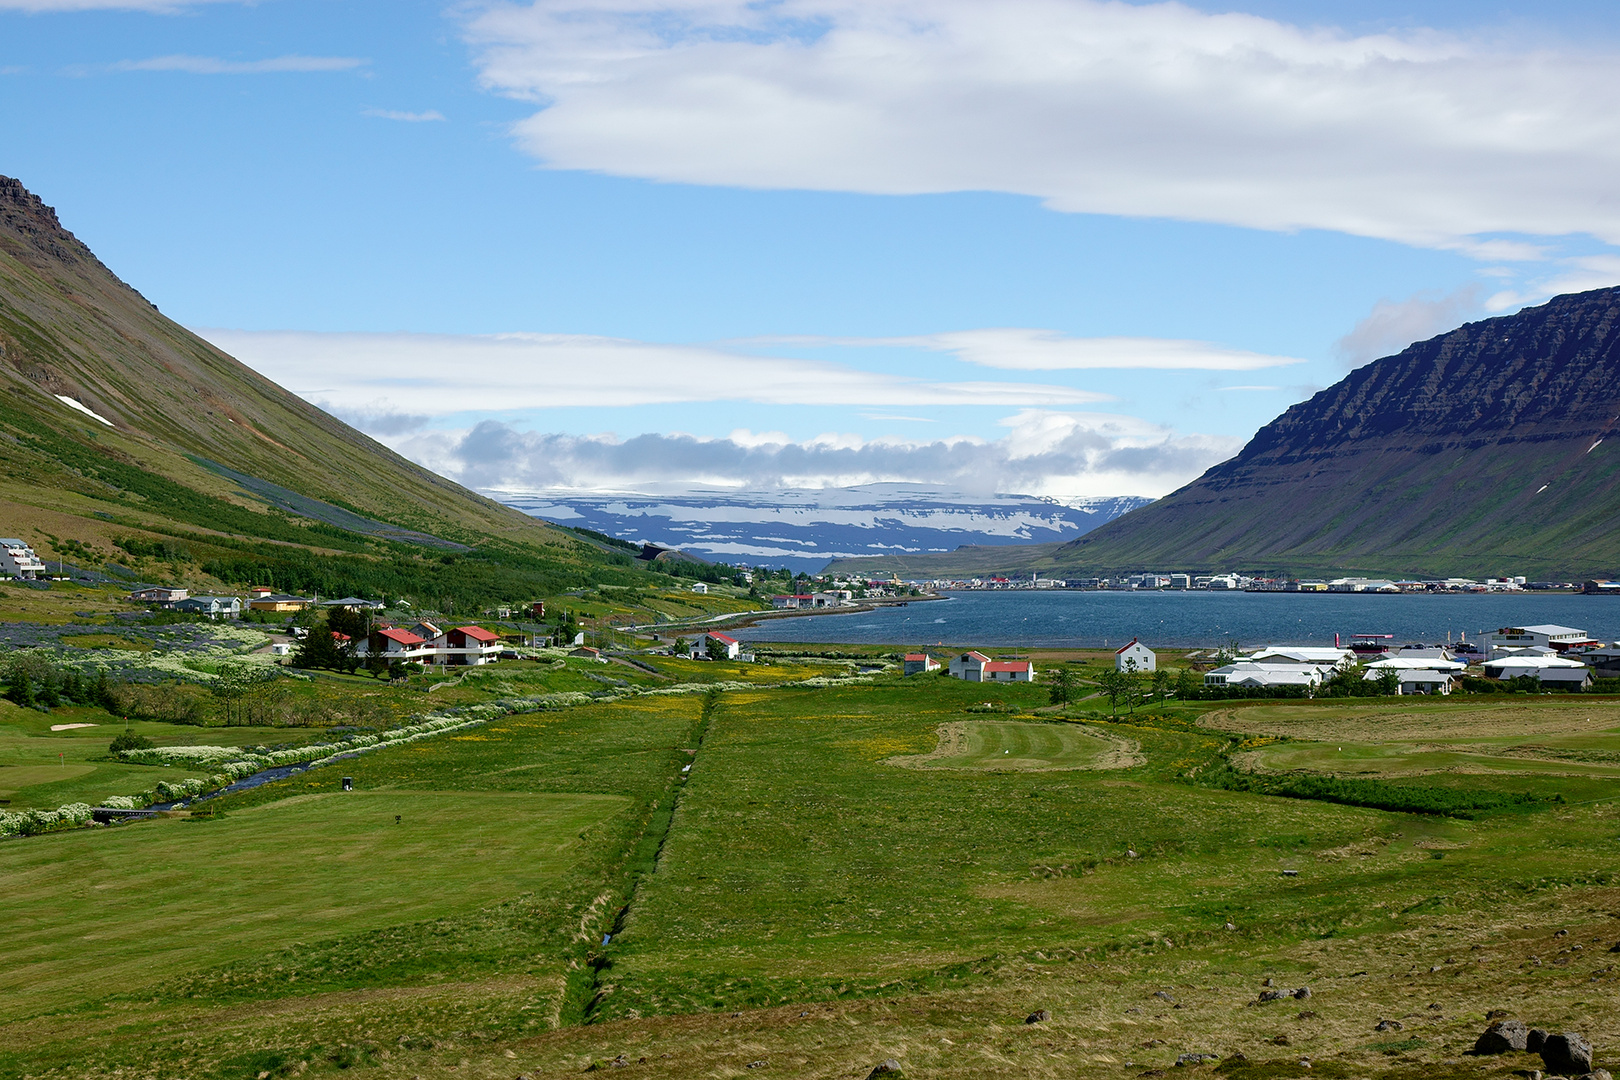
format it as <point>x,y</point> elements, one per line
<point>1568,1054</point>
<point>1502,1036</point>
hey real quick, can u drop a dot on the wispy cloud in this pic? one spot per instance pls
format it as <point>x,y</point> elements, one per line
<point>405,117</point>
<point>1570,276</point>
<point>1021,349</point>
<point>441,374</point>
<point>213,65</point>
<point>1061,454</point>
<point>1155,109</point>
<point>1392,325</point>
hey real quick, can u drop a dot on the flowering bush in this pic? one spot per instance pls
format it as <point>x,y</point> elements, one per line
<point>33,822</point>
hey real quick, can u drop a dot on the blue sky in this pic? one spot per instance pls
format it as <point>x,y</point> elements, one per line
<point>1047,246</point>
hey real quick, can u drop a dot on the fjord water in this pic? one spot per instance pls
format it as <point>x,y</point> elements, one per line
<point>1186,619</point>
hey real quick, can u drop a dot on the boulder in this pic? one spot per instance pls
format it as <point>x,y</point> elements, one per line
<point>1597,1074</point>
<point>1535,1040</point>
<point>886,1067</point>
<point>1162,996</point>
<point>1302,993</point>
<point>1567,1053</point>
<point>1389,1025</point>
<point>1037,1017</point>
<point>1502,1036</point>
<point>1195,1059</point>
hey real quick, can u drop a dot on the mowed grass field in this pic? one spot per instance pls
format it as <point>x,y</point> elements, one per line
<point>137,906</point>
<point>1011,744</point>
<point>784,900</point>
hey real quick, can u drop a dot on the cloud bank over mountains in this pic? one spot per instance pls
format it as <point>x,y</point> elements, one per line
<point>1044,453</point>
<point>1487,144</point>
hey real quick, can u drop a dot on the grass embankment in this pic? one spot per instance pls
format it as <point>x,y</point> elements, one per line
<point>816,908</point>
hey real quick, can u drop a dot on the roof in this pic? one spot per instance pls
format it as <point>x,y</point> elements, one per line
<point>404,637</point>
<point>979,656</point>
<point>914,656</point>
<point>1009,665</point>
<point>478,633</point>
<point>1545,629</point>
<point>1128,644</point>
<point>721,637</point>
<point>1416,663</point>
<point>1533,662</point>
<point>1303,654</point>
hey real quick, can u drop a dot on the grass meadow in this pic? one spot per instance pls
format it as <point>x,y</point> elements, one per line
<point>804,880</point>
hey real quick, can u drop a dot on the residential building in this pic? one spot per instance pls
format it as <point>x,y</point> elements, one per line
<point>1249,673</point>
<point>391,643</point>
<point>1558,671</point>
<point>1135,657</point>
<point>700,587</point>
<point>467,645</point>
<point>353,603</point>
<point>795,600</point>
<point>832,598</point>
<point>18,560</point>
<point>1510,639</point>
<point>278,602</point>
<point>1008,671</point>
<point>212,606</point>
<point>1180,581</point>
<point>1417,680</point>
<point>969,667</point>
<point>1604,662</point>
<point>1318,655</point>
<point>585,652</point>
<point>158,594</point>
<point>919,663</point>
<point>730,646</point>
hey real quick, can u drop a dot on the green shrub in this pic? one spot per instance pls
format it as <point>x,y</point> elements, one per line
<point>129,740</point>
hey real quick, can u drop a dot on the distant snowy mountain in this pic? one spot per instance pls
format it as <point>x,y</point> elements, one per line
<point>804,529</point>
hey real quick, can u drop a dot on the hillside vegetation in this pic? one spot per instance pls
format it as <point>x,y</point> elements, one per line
<point>212,470</point>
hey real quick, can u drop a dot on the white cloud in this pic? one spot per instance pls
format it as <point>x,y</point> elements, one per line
<point>1392,325</point>
<point>1577,275</point>
<point>1060,454</point>
<point>440,374</point>
<point>213,65</point>
<point>1019,349</point>
<point>406,117</point>
<point>1099,107</point>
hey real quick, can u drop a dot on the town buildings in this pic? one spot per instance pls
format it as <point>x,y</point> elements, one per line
<point>18,560</point>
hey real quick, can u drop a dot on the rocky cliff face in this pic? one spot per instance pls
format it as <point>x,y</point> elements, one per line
<point>1484,450</point>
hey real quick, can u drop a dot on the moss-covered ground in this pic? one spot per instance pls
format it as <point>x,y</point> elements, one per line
<point>779,898</point>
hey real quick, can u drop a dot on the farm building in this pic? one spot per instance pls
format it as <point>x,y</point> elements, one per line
<point>920,663</point>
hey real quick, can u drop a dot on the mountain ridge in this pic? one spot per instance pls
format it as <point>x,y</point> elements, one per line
<point>1484,450</point>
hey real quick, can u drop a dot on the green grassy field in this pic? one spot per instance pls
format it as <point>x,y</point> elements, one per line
<point>781,899</point>
<point>137,906</point>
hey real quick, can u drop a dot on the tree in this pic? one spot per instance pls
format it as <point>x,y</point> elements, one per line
<point>129,740</point>
<point>1161,682</point>
<point>21,690</point>
<point>1062,684</point>
<point>1389,681</point>
<point>717,650</point>
<point>317,650</point>
<point>1116,687</point>
<point>236,686</point>
<point>1187,684</point>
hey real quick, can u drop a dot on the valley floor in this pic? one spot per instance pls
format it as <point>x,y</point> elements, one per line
<point>795,877</point>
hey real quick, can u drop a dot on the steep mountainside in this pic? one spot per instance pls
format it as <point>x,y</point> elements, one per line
<point>1486,450</point>
<point>114,416</point>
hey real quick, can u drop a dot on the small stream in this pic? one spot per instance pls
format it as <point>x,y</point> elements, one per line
<point>247,783</point>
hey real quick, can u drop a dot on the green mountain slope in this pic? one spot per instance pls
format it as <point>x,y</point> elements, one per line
<point>1483,451</point>
<point>192,441</point>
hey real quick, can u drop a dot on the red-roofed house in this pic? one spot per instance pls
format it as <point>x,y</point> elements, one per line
<point>395,644</point>
<point>730,645</point>
<point>1008,671</point>
<point>1135,657</point>
<point>920,663</point>
<point>467,645</point>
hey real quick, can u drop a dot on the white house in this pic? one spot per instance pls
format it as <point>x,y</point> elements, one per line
<point>1551,670</point>
<point>730,645</point>
<point>1416,680</point>
<point>1509,639</point>
<point>212,606</point>
<point>18,560</point>
<point>1135,657</point>
<point>832,598</point>
<point>1008,671</point>
<point>700,587</point>
<point>793,600</point>
<point>1302,654</point>
<point>1252,674</point>
<point>969,667</point>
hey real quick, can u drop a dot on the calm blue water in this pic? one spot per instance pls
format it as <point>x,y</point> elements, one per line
<point>1191,618</point>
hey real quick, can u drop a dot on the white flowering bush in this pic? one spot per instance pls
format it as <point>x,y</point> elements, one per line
<point>189,756</point>
<point>32,822</point>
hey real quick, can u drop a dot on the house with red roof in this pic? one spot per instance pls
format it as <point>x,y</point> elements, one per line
<point>1135,657</point>
<point>969,666</point>
<point>920,663</point>
<point>467,645</point>
<point>395,644</point>
<point>1008,671</point>
<point>730,645</point>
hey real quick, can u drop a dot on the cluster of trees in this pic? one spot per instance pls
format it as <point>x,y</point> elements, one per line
<point>333,641</point>
<point>32,680</point>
